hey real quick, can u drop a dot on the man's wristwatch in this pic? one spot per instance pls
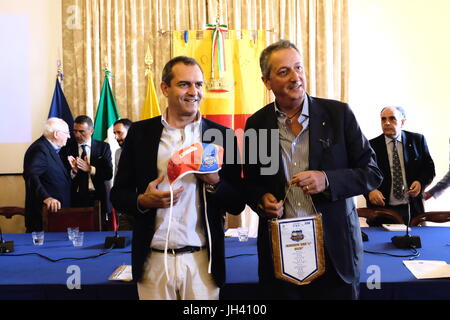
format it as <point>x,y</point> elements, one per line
<point>211,188</point>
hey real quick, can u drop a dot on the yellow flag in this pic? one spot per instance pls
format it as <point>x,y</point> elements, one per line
<point>151,105</point>
<point>244,91</point>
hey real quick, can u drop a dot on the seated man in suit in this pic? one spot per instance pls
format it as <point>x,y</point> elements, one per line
<point>90,166</point>
<point>47,182</point>
<point>407,167</point>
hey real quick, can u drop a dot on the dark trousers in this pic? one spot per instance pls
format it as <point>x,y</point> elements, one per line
<point>84,199</point>
<point>328,286</point>
<point>126,222</point>
<point>87,199</point>
<point>403,211</point>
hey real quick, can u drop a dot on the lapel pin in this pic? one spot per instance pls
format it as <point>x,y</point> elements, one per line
<point>325,143</point>
<point>324,123</point>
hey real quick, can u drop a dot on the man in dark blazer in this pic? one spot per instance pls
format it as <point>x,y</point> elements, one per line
<point>90,169</point>
<point>141,189</point>
<point>47,181</point>
<point>417,166</point>
<point>120,130</point>
<point>323,154</point>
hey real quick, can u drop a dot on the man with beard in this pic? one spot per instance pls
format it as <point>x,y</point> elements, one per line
<point>120,130</point>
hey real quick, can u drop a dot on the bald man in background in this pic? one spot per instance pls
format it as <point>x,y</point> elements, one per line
<point>417,166</point>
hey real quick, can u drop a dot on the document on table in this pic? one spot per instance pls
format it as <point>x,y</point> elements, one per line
<point>122,273</point>
<point>395,227</point>
<point>428,269</point>
<point>231,232</point>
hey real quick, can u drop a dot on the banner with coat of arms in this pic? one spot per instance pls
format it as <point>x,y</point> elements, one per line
<point>230,61</point>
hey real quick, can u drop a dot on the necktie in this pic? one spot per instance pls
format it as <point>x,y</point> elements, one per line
<point>83,187</point>
<point>83,154</point>
<point>397,177</point>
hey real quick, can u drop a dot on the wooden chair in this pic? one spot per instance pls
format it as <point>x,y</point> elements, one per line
<point>432,216</point>
<point>380,214</point>
<point>87,219</point>
<point>12,219</point>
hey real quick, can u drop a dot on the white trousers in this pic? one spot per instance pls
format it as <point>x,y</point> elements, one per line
<point>189,278</point>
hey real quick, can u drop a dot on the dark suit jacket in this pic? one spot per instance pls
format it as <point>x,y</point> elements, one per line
<point>338,147</point>
<point>102,161</point>
<point>45,176</point>
<point>418,166</point>
<point>138,167</point>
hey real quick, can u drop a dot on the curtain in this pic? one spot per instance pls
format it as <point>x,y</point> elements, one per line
<point>115,34</point>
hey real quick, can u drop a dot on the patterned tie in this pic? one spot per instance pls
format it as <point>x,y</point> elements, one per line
<point>83,154</point>
<point>397,177</point>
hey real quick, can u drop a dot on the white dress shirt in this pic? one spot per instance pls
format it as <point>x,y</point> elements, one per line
<point>88,155</point>
<point>186,227</point>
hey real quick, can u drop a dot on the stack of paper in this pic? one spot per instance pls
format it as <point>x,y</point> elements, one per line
<point>428,269</point>
<point>395,227</point>
<point>122,273</point>
<point>231,232</point>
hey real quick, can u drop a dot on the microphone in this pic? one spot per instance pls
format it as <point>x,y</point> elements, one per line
<point>5,246</point>
<point>115,241</point>
<point>407,241</point>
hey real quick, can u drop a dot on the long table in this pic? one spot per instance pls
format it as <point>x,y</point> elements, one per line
<point>382,277</point>
<point>396,281</point>
<point>28,274</point>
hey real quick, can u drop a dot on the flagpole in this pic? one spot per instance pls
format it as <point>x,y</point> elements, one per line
<point>151,105</point>
<point>59,107</point>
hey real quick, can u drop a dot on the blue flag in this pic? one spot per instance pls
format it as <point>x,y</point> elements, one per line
<point>59,107</point>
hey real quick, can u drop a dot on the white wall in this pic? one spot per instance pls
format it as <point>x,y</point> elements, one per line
<point>399,55</point>
<point>44,43</point>
<point>44,46</point>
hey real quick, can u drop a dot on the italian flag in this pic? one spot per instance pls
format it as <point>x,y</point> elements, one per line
<point>106,115</point>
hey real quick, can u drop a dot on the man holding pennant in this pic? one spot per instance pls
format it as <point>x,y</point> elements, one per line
<point>324,161</point>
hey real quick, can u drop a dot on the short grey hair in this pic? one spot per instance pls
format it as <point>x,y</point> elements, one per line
<point>54,124</point>
<point>399,109</point>
<point>267,52</point>
<point>84,119</point>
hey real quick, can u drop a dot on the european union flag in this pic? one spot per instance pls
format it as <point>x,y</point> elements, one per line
<point>59,107</point>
